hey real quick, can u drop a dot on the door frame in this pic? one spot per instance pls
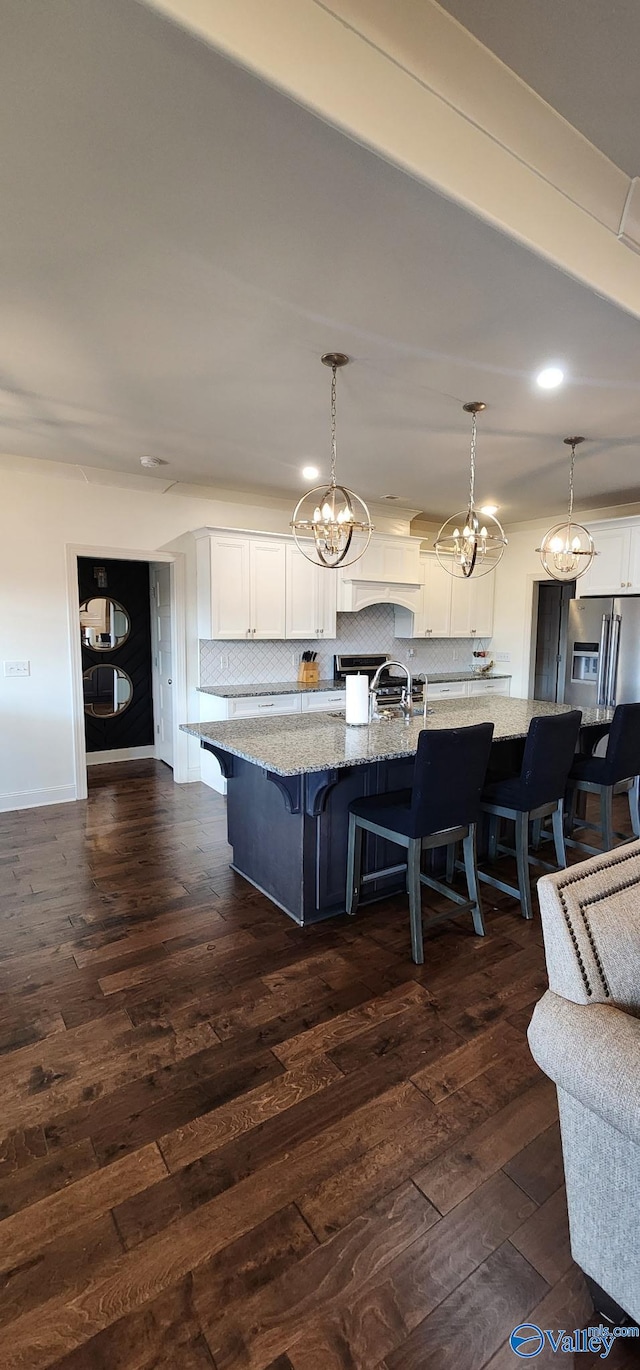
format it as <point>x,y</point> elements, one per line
<point>179,644</point>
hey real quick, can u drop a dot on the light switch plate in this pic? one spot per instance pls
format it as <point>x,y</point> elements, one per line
<point>13,668</point>
<point>502,656</point>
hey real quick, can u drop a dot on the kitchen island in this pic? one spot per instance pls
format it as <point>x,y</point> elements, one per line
<point>290,781</point>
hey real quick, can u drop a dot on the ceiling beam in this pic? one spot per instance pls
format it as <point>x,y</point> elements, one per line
<point>408,82</point>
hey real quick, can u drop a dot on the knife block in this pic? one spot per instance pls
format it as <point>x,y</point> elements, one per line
<point>308,673</point>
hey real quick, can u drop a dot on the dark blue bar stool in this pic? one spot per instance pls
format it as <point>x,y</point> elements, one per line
<point>536,793</point>
<point>615,773</point>
<point>441,808</point>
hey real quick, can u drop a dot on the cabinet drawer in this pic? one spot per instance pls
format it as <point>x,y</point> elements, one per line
<point>489,687</point>
<point>449,689</point>
<point>321,700</point>
<point>264,704</point>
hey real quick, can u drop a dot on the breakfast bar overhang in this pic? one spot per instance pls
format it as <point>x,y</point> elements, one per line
<point>290,782</point>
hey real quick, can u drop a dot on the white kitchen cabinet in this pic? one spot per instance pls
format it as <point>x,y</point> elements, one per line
<point>437,592</point>
<point>490,687</point>
<point>615,570</point>
<point>267,581</point>
<point>389,559</point>
<point>319,701</point>
<point>310,596</point>
<point>472,606</point>
<point>446,689</point>
<point>609,572</point>
<point>241,586</point>
<point>432,615</point>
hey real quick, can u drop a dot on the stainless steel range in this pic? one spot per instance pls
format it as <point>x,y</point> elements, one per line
<point>389,686</point>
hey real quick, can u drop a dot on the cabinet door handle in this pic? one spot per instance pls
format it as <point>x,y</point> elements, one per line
<point>265,706</point>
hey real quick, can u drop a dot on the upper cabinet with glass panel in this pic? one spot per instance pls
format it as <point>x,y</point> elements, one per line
<point>104,624</point>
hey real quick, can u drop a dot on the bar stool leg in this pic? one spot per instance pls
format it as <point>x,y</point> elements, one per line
<point>522,859</point>
<point>606,817</point>
<point>557,819</point>
<point>354,864</point>
<point>571,810</point>
<point>492,845</point>
<point>451,862</point>
<point>634,808</point>
<point>536,833</point>
<point>471,870</point>
<point>414,854</point>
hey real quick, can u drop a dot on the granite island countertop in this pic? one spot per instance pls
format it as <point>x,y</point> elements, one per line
<point>298,745</point>
<point>292,687</point>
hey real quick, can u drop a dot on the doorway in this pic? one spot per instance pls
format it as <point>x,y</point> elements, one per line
<point>551,640</point>
<point>115,630</point>
<point>168,666</point>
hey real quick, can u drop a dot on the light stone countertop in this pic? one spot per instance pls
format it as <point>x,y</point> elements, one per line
<point>291,687</point>
<point>298,745</point>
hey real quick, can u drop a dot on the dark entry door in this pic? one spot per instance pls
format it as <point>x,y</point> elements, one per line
<point>115,626</point>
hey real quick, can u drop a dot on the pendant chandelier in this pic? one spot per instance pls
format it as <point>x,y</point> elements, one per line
<point>326,518</point>
<point>567,550</point>
<point>468,545</point>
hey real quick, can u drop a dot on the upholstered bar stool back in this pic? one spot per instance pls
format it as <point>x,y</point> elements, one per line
<point>440,810</point>
<point>536,793</point>
<point>448,775</point>
<point>600,775</point>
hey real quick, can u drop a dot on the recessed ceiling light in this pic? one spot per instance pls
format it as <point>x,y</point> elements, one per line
<point>550,378</point>
<point>391,497</point>
<point>310,472</point>
<point>152,461</point>
<point>489,509</point>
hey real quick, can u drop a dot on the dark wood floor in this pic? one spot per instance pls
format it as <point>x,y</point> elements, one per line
<point>227,1142</point>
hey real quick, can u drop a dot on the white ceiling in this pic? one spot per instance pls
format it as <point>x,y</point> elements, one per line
<point>180,245</point>
<point>579,55</point>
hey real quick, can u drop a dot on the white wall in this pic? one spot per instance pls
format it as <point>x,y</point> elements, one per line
<point>40,514</point>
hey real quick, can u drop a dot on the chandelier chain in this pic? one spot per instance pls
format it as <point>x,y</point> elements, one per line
<point>571,470</point>
<point>472,471</point>
<point>333,426</point>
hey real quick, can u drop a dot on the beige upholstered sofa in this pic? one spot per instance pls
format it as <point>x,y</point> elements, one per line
<point>585,1035</point>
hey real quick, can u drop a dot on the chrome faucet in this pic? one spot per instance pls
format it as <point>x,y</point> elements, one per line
<point>405,697</point>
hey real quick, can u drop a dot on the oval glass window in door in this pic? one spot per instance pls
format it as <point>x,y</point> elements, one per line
<point>108,690</point>
<point>104,624</point>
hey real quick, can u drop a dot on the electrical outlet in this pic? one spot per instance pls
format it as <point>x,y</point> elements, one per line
<point>502,656</point>
<point>224,662</point>
<point>455,654</point>
<point>411,652</point>
<point>13,668</point>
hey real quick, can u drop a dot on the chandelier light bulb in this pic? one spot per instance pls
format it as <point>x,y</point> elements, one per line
<point>567,550</point>
<point>477,550</point>
<point>331,525</point>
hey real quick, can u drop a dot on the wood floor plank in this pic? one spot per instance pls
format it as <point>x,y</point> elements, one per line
<point>45,1176</point>
<point>211,1131</point>
<point>473,1321</point>
<point>456,1068</point>
<point>456,1173</point>
<point>26,1232</point>
<point>330,1035</point>
<point>544,1238</point>
<point>538,1168</point>
<point>164,1334</point>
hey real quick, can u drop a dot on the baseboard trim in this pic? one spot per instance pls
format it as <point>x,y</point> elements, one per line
<point>35,799</point>
<point>121,754</point>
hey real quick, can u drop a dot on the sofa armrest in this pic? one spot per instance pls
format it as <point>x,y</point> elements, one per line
<point>593,1052</point>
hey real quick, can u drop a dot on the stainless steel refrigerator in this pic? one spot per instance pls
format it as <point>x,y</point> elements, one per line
<point>603,652</point>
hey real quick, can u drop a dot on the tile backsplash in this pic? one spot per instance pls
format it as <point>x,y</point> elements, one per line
<point>370,630</point>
